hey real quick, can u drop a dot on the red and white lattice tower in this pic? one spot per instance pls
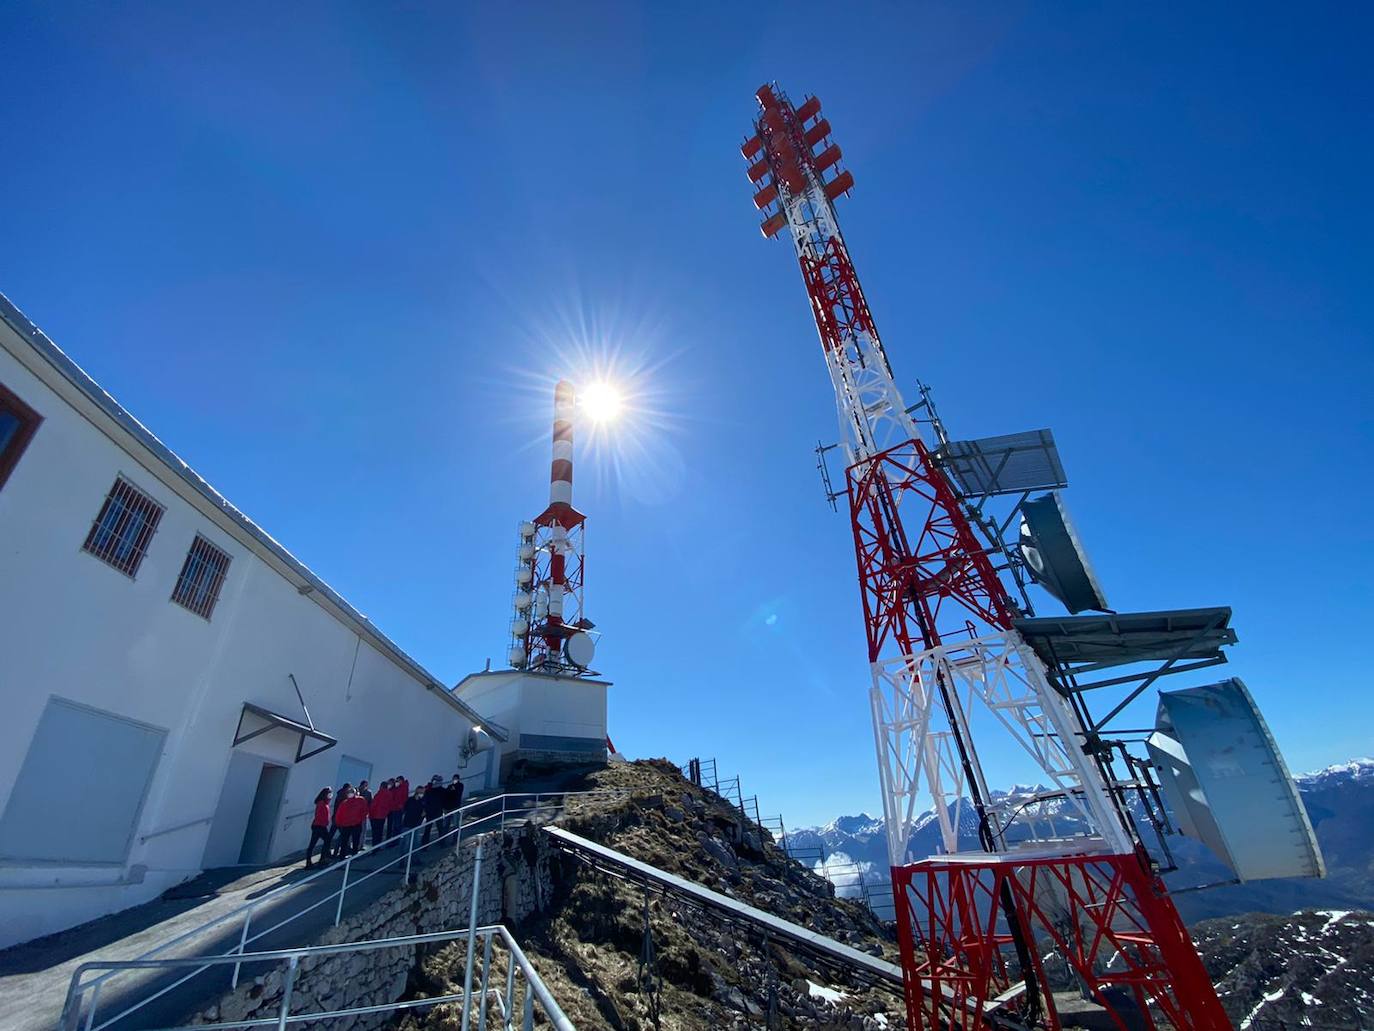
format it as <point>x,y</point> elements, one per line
<point>975,926</point>
<point>549,629</point>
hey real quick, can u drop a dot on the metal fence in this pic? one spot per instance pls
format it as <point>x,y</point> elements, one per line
<point>505,1002</point>
<point>477,817</point>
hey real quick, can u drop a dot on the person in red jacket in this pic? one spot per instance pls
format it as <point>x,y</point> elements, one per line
<point>349,819</point>
<point>378,811</point>
<point>319,828</point>
<point>400,788</point>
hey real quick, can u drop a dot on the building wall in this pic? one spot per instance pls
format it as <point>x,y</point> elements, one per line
<point>73,627</point>
<point>547,718</point>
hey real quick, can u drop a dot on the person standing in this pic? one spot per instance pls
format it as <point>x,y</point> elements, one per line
<point>349,819</point>
<point>378,810</point>
<point>454,799</point>
<point>399,797</point>
<point>320,828</point>
<point>434,807</point>
<point>414,813</point>
<point>365,792</point>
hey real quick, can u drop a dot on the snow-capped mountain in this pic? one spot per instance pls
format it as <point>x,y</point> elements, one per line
<point>1339,801</point>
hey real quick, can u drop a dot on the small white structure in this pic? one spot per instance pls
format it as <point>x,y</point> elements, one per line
<point>549,719</point>
<point>176,687</point>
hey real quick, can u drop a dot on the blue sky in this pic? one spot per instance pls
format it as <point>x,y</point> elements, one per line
<point>335,256</point>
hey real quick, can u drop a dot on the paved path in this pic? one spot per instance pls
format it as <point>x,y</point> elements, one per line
<point>34,977</point>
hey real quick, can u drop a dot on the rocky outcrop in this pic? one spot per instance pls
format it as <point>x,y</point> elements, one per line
<point>588,943</point>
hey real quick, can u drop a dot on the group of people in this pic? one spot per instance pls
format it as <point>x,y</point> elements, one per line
<point>391,809</point>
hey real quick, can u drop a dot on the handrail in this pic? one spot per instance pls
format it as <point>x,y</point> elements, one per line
<point>177,827</point>
<point>246,911</point>
<point>536,989</point>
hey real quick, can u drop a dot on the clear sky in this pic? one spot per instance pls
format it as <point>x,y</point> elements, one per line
<point>335,255</point>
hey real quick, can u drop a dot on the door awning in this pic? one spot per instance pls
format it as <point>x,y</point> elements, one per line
<point>259,721</point>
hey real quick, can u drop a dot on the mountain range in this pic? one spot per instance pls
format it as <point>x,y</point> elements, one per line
<point>852,851</point>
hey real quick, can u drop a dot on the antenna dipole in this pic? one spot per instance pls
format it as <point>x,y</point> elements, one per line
<point>944,652</point>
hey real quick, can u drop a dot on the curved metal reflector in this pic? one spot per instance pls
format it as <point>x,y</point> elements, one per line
<point>1055,556</point>
<point>1227,784</point>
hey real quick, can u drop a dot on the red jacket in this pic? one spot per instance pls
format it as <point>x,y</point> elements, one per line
<point>381,805</point>
<point>321,814</point>
<point>351,812</point>
<point>404,789</point>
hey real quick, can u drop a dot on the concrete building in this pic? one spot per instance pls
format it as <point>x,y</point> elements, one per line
<point>176,686</point>
<point>549,719</point>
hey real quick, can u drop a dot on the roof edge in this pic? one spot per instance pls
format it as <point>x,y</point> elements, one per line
<point>79,378</point>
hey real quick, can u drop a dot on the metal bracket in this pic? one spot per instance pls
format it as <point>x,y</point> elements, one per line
<point>830,492</point>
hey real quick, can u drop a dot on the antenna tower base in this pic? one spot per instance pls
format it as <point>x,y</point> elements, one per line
<point>1101,924</point>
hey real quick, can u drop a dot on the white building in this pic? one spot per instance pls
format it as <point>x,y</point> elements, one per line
<point>148,629</point>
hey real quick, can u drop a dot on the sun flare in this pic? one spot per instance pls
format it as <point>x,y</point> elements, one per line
<point>601,401</point>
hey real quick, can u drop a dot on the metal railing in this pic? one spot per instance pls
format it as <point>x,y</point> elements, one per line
<point>514,808</point>
<point>499,1002</point>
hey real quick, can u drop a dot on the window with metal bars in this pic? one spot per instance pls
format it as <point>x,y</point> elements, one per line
<point>125,526</point>
<point>18,423</point>
<point>201,577</point>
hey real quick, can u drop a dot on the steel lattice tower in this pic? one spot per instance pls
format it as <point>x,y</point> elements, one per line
<point>975,926</point>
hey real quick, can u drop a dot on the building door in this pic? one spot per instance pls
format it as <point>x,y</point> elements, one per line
<point>352,770</point>
<point>262,817</point>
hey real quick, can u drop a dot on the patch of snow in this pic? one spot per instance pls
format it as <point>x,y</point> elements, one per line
<point>1268,997</point>
<point>1332,916</point>
<point>820,991</point>
<point>1310,1000</point>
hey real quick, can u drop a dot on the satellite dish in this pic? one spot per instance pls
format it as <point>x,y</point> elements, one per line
<point>1055,556</point>
<point>1227,785</point>
<point>478,741</point>
<point>580,648</point>
<point>517,655</point>
<point>522,576</point>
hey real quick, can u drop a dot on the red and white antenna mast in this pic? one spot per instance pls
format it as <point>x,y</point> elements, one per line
<point>549,629</point>
<point>946,657</point>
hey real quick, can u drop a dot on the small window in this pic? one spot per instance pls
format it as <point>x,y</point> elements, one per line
<point>18,422</point>
<point>201,577</point>
<point>125,526</point>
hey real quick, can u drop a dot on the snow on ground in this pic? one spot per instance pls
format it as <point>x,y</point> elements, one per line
<point>820,991</point>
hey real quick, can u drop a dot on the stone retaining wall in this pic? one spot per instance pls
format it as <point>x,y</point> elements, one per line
<point>515,882</point>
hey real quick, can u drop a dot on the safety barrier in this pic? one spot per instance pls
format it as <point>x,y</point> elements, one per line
<point>470,820</point>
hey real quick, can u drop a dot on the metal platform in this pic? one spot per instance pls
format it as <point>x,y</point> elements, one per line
<point>1085,644</point>
<point>1009,464</point>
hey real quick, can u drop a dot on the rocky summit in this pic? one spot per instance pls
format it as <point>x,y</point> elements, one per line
<point>588,940</point>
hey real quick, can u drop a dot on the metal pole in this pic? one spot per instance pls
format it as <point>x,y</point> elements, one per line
<point>510,990</point>
<point>410,850</point>
<point>243,943</point>
<point>95,998</point>
<point>472,935</point>
<point>338,910</point>
<point>528,1022</point>
<point>486,978</point>
<point>458,835</point>
<point>287,984</point>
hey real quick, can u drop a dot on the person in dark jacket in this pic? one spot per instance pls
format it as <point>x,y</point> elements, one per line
<point>349,817</point>
<point>414,814</point>
<point>320,828</point>
<point>454,799</point>
<point>365,792</point>
<point>434,807</point>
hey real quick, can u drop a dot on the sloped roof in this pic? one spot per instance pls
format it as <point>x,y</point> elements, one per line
<point>58,359</point>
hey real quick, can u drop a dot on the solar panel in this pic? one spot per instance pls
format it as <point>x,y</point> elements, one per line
<point>1007,464</point>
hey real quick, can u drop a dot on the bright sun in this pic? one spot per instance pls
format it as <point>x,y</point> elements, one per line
<point>600,401</point>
